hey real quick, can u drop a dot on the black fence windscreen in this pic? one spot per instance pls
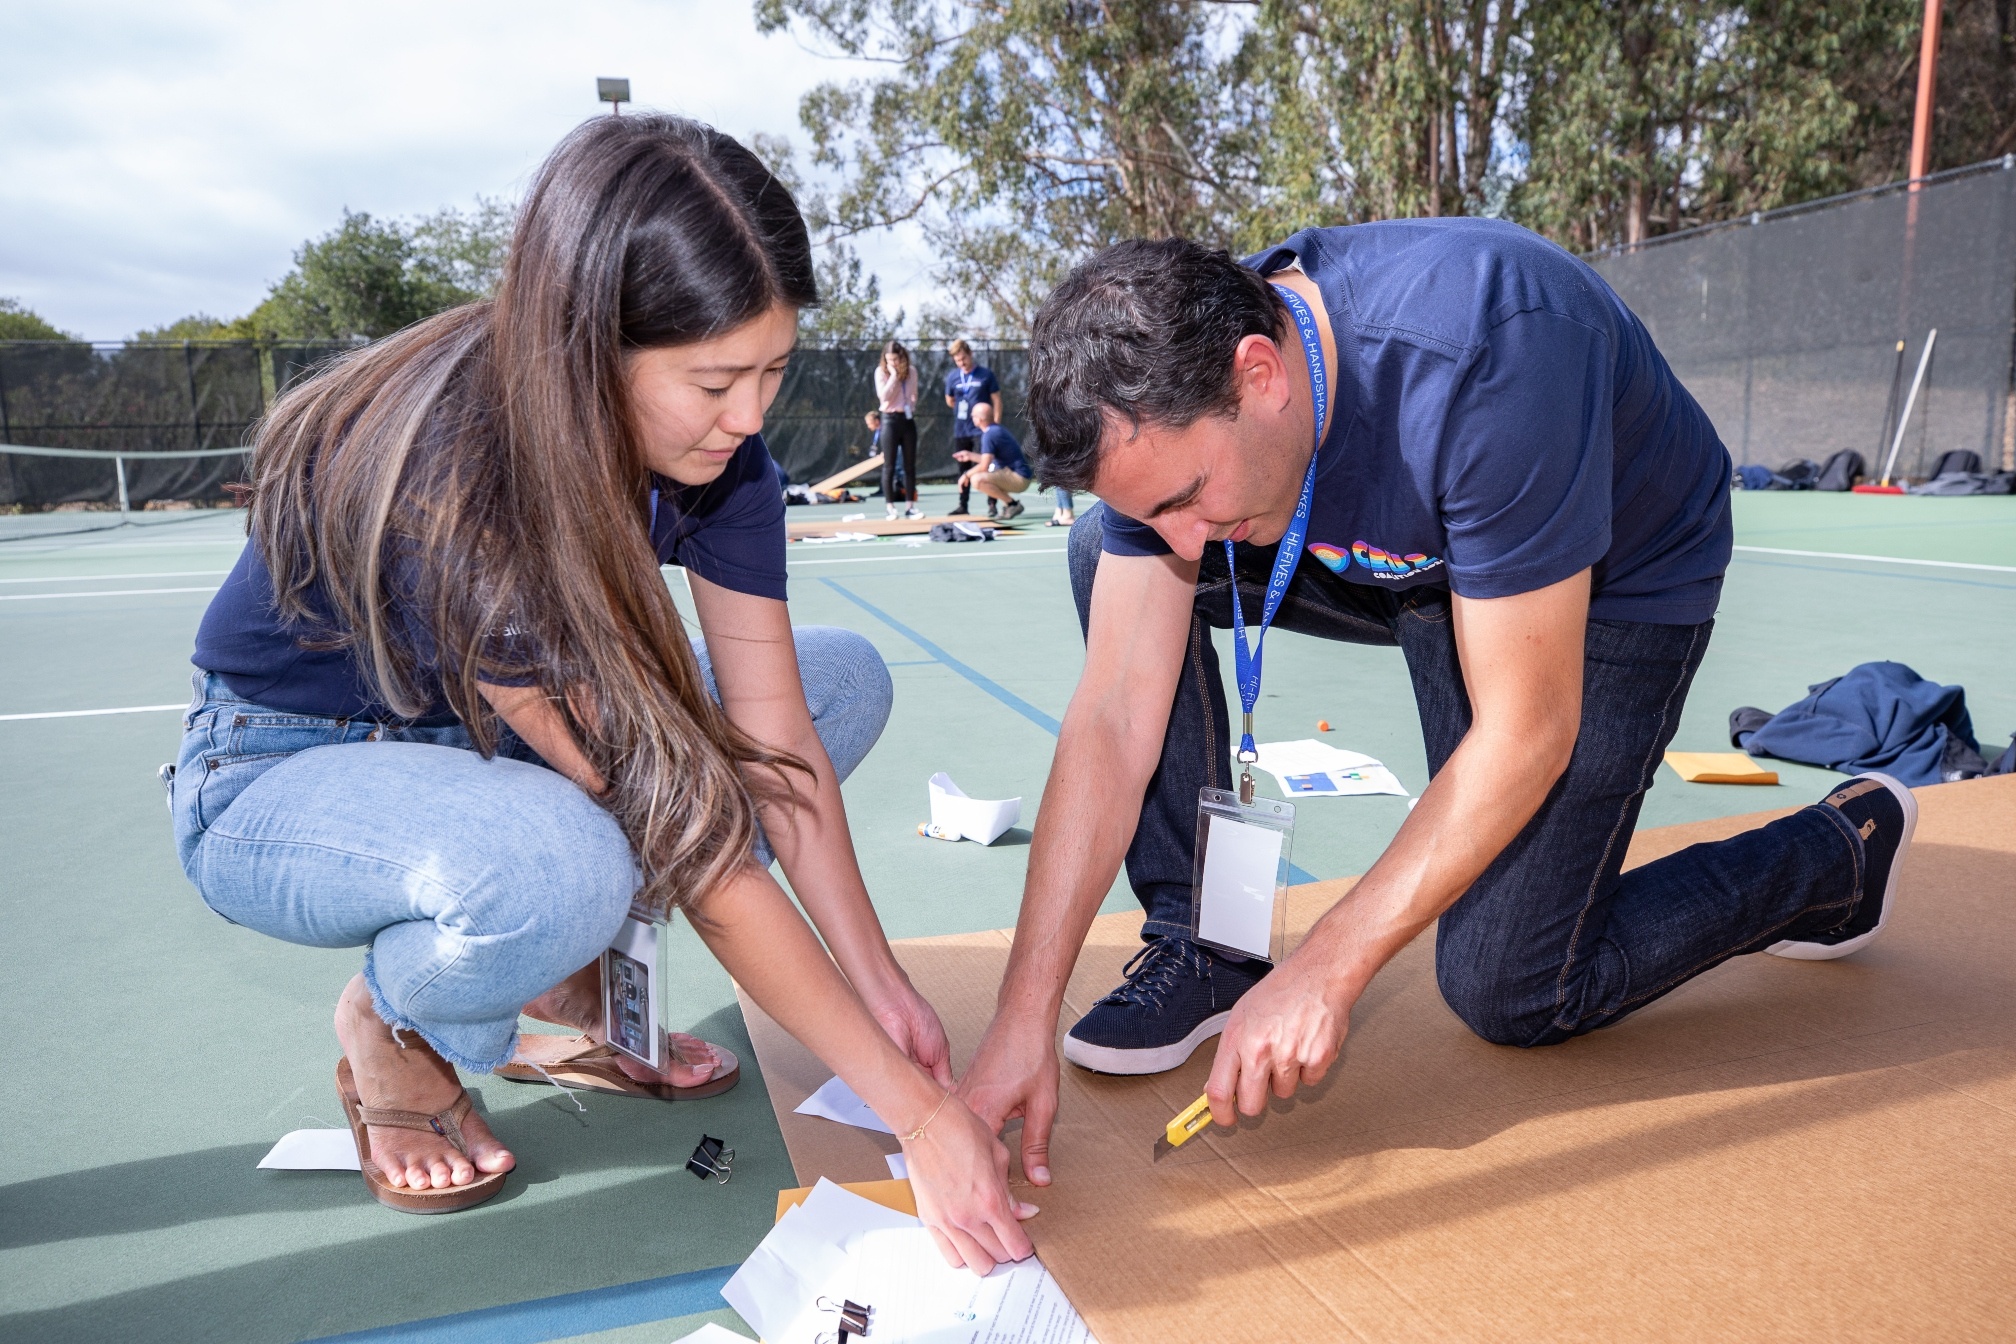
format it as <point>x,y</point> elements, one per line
<point>152,401</point>
<point>815,426</point>
<point>148,400</point>
<point>1786,328</point>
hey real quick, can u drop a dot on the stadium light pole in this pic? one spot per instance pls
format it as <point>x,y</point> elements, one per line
<point>614,92</point>
<point>1928,78</point>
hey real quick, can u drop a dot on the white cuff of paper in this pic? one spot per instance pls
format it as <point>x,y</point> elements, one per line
<point>970,818</point>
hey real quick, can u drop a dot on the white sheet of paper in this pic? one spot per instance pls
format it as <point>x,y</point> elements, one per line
<point>805,1250</point>
<point>919,1299</point>
<point>1353,773</point>
<point>899,1166</point>
<point>313,1150</point>
<point>982,819</point>
<point>1241,864</point>
<point>836,1101</point>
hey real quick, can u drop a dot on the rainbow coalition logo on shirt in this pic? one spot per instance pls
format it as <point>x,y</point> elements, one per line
<point>1382,564</point>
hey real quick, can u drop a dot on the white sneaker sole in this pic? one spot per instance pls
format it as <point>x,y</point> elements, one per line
<point>1110,1059</point>
<point>1798,951</point>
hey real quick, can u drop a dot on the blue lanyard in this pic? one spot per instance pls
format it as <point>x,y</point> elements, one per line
<point>1248,663</point>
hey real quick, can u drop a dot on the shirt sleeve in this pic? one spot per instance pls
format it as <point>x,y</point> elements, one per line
<point>731,530</point>
<point>1525,467</point>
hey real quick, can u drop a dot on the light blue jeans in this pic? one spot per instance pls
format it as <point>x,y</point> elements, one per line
<point>476,885</point>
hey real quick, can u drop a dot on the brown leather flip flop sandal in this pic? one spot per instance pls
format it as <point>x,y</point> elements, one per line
<point>579,1062</point>
<point>448,1124</point>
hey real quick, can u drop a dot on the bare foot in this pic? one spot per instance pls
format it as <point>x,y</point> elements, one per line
<point>577,1002</point>
<point>413,1078</point>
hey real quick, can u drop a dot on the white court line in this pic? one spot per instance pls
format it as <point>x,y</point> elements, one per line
<point>1880,559</point>
<point>928,555</point>
<point>90,713</point>
<point>87,578</point>
<point>108,592</point>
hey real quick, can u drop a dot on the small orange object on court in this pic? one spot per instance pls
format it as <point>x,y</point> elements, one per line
<point>1322,725</point>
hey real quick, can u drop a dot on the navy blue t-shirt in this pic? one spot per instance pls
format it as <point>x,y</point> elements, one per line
<point>1007,453</point>
<point>1502,421</point>
<point>968,390</point>
<point>729,532</point>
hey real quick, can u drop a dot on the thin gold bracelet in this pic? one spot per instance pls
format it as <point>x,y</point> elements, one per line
<point>918,1132</point>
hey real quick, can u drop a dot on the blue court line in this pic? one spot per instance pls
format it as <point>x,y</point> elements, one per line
<point>986,683</point>
<point>558,1317</point>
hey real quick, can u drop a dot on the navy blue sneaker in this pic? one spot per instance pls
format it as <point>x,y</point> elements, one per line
<point>1176,996</point>
<point>1883,811</point>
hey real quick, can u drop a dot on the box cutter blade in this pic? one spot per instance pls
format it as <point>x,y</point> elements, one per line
<point>1184,1127</point>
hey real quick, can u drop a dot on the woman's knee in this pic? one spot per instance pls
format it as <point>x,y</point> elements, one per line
<point>848,690</point>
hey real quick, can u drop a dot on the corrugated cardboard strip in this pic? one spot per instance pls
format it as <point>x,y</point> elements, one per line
<point>1777,1151</point>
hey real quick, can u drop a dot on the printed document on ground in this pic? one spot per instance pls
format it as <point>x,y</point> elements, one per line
<point>1307,768</point>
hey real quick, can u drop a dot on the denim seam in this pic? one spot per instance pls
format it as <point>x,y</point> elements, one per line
<point>1645,768</point>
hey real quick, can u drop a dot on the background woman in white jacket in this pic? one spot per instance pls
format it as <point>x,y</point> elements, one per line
<point>896,394</point>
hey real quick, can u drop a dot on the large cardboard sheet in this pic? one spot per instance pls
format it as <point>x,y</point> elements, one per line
<point>1778,1150</point>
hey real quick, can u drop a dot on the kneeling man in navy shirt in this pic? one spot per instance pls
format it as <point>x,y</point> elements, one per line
<point>1446,435</point>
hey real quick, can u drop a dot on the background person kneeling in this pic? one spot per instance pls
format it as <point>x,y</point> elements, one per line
<point>1002,472</point>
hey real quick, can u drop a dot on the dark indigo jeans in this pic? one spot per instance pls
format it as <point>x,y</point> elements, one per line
<point>1551,941</point>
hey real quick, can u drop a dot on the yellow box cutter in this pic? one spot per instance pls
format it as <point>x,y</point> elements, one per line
<point>1184,1127</point>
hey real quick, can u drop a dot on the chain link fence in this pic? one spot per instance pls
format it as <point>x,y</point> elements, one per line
<point>1800,330</point>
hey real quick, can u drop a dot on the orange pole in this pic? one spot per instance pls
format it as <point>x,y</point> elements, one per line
<point>1928,78</point>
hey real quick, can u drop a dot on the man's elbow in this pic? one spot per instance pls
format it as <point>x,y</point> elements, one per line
<point>1554,744</point>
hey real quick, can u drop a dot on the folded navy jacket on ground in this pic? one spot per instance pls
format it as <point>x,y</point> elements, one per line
<point>1881,716</point>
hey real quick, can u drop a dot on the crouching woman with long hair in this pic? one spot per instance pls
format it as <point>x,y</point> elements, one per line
<point>447,711</point>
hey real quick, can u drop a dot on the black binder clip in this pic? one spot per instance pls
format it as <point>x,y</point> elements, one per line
<point>853,1318</point>
<point>712,1159</point>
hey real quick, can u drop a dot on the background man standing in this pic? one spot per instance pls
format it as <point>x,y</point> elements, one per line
<point>1476,453</point>
<point>969,384</point>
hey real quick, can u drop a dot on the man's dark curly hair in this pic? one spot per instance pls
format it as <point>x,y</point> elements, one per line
<point>1144,331</point>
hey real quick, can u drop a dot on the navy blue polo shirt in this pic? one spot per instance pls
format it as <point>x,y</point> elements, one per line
<point>729,532</point>
<point>1502,421</point>
<point>1006,451</point>
<point>968,390</point>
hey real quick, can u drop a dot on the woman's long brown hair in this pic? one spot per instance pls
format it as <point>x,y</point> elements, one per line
<point>471,500</point>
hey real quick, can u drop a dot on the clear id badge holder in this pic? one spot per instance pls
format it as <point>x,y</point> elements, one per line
<point>1238,890</point>
<point>633,994</point>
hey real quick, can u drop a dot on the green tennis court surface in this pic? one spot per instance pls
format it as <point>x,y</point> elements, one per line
<point>157,1051</point>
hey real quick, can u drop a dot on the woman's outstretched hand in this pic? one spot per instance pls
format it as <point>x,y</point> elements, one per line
<point>959,1174</point>
<point>913,1024</point>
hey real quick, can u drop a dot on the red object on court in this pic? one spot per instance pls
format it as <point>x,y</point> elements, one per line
<point>1879,489</point>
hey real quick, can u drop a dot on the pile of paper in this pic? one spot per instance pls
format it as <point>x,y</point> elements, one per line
<point>838,1247</point>
<point>982,819</point>
<point>1312,769</point>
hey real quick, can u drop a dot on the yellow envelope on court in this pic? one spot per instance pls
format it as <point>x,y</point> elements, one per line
<point>1719,767</point>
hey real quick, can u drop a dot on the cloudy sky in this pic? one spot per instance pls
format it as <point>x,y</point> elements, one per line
<point>158,160</point>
